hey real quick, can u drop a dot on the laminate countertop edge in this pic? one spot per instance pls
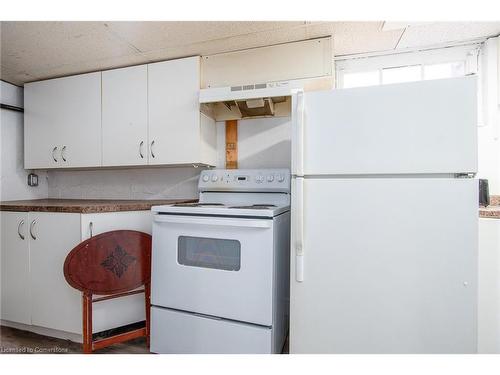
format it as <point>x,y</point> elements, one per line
<point>85,206</point>
<point>490,212</point>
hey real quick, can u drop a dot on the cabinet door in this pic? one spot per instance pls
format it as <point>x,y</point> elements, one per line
<point>174,114</point>
<point>489,286</point>
<point>15,267</point>
<point>126,310</point>
<point>125,116</point>
<point>55,304</point>
<point>42,138</point>
<point>63,122</point>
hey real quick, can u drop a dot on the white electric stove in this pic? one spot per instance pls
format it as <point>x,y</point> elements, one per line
<point>220,267</point>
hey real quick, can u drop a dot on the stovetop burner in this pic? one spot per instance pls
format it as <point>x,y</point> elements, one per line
<point>256,206</point>
<point>198,205</point>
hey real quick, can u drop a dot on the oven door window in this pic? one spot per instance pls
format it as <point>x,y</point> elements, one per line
<point>214,253</point>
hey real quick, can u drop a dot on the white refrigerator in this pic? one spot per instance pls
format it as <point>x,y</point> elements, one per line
<point>384,219</point>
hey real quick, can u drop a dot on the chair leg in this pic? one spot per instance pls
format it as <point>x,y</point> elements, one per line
<point>147,299</point>
<point>87,323</point>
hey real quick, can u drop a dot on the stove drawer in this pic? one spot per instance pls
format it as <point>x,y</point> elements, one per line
<point>186,333</point>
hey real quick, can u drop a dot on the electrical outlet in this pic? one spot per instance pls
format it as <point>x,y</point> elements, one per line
<point>33,179</point>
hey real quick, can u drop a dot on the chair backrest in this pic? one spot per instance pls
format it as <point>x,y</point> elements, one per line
<point>109,263</point>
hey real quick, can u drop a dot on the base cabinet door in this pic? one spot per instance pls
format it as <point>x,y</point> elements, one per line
<point>125,310</point>
<point>55,304</point>
<point>15,285</point>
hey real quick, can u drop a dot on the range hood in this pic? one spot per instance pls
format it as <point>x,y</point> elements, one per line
<point>272,99</point>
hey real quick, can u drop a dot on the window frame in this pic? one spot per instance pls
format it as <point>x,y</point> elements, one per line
<point>468,54</point>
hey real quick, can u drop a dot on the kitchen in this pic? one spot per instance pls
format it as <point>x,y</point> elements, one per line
<point>231,152</point>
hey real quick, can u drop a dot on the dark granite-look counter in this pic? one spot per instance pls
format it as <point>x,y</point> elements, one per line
<point>85,206</point>
<point>493,210</point>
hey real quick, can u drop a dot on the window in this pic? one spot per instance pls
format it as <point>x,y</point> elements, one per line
<point>446,70</point>
<point>401,74</point>
<point>359,79</point>
<point>406,67</point>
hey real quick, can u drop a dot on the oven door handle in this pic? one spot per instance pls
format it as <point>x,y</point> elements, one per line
<point>213,221</point>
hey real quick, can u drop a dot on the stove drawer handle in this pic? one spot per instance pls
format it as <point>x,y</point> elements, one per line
<point>212,221</point>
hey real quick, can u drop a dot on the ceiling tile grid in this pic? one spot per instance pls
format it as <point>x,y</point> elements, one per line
<point>32,51</point>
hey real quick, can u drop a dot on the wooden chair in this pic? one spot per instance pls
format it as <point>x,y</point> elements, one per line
<point>112,264</point>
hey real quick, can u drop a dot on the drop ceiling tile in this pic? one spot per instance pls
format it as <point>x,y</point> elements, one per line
<point>14,77</point>
<point>362,37</point>
<point>39,47</point>
<point>442,32</point>
<point>92,66</point>
<point>234,43</point>
<point>151,36</point>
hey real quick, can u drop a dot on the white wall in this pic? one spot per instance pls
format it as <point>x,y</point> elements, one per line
<point>489,286</point>
<point>262,143</point>
<point>139,183</point>
<point>489,129</point>
<point>13,177</point>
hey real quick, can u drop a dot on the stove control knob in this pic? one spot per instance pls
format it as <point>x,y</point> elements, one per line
<point>281,177</point>
<point>270,178</point>
<point>259,179</point>
<point>214,178</point>
<point>206,178</point>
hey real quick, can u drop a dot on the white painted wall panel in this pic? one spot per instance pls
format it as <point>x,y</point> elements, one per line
<point>304,59</point>
<point>13,176</point>
<point>143,183</point>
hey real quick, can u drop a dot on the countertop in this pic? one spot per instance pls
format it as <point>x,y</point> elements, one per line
<point>493,210</point>
<point>85,206</point>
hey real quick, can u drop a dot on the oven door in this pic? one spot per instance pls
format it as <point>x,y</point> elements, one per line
<point>216,266</point>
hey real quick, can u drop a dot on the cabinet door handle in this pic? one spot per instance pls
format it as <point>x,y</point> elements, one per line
<point>62,153</point>
<point>151,149</point>
<point>53,154</point>
<point>140,149</point>
<point>91,227</point>
<point>21,223</point>
<point>32,225</point>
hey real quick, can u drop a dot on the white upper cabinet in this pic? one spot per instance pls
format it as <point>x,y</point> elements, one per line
<point>63,122</point>
<point>150,116</point>
<point>176,135</point>
<point>125,116</point>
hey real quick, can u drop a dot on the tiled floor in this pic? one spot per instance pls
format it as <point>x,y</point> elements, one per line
<point>16,341</point>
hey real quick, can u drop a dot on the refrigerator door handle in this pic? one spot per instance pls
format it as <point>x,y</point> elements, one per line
<point>299,135</point>
<point>299,230</point>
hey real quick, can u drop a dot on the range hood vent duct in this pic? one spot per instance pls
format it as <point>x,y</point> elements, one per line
<point>256,107</point>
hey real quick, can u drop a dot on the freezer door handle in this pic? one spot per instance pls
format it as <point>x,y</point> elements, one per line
<point>299,136</point>
<point>299,229</point>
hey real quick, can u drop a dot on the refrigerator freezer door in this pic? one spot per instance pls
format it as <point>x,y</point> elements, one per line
<point>419,127</point>
<point>389,266</point>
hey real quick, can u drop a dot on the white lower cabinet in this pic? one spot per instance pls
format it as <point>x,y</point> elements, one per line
<point>15,282</point>
<point>34,290</point>
<point>489,287</point>
<point>121,311</point>
<point>54,304</point>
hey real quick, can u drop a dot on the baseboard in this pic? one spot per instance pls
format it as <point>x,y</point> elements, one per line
<point>44,331</point>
